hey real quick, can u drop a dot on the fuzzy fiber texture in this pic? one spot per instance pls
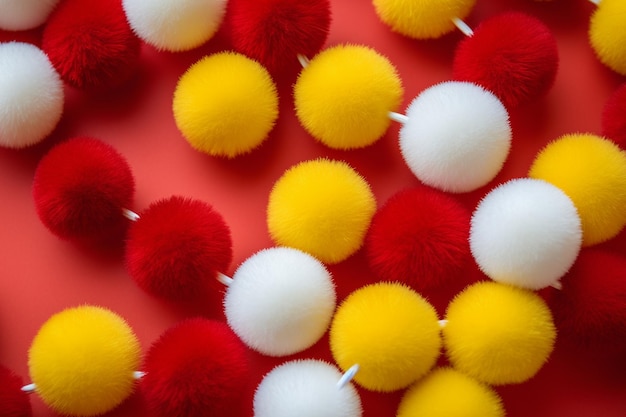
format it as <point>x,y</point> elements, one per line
<point>14,402</point>
<point>281,301</point>
<point>591,170</point>
<point>196,368</point>
<point>498,334</point>
<point>613,120</point>
<point>225,104</point>
<point>457,136</point>
<point>31,95</point>
<point>80,188</point>
<point>305,388</point>
<point>344,95</point>
<point>20,15</point>
<point>607,35</point>
<point>91,44</point>
<point>390,331</point>
<point>513,55</point>
<point>82,361</point>
<point>322,207</point>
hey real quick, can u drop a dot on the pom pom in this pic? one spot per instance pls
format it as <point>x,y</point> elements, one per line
<point>82,361</point>
<point>90,44</point>
<point>420,237</point>
<point>607,34</point>
<point>613,120</point>
<point>461,156</point>
<point>305,388</point>
<point>175,25</point>
<point>225,104</point>
<point>422,19</point>
<point>31,95</point>
<point>513,55</point>
<point>591,170</point>
<point>344,95</point>
<point>24,14</point>
<point>80,188</point>
<point>280,301</point>
<point>196,368</point>
<point>498,334</point>
<point>15,402</point>
<point>390,331</point>
<point>322,207</point>
<point>446,392</point>
<point>525,233</point>
<point>177,248</point>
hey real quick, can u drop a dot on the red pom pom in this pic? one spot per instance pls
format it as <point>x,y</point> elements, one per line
<point>614,117</point>
<point>176,249</point>
<point>91,44</point>
<point>80,188</point>
<point>513,55</point>
<point>197,368</point>
<point>13,401</point>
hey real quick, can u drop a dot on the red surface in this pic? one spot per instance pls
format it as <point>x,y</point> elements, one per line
<point>40,274</point>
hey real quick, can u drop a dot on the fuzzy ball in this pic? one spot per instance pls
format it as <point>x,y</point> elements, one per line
<point>82,361</point>
<point>280,302</point>
<point>31,95</point>
<point>422,19</point>
<point>457,136</point>
<point>607,34</point>
<point>322,207</point>
<point>305,388</point>
<point>225,104</point>
<point>176,249</point>
<point>80,188</point>
<point>20,15</point>
<point>275,32</point>
<point>591,170</point>
<point>526,233</point>
<point>390,331</point>
<point>344,95</point>
<point>514,55</point>
<point>15,402</point>
<point>613,120</point>
<point>420,236</point>
<point>90,44</point>
<point>497,333</point>
<point>432,396</point>
<point>196,368</point>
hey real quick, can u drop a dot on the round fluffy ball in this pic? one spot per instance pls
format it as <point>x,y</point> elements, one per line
<point>613,120</point>
<point>175,25</point>
<point>607,34</point>
<point>31,95</point>
<point>446,392</point>
<point>15,402</point>
<point>24,14</point>
<point>525,232</point>
<point>82,361</point>
<point>225,104</point>
<point>280,302</point>
<point>305,388</point>
<point>322,207</point>
<point>514,55</point>
<point>90,44</point>
<point>420,236</point>
<point>196,368</point>
<point>497,333</point>
<point>80,188</point>
<point>591,170</point>
<point>422,19</point>
<point>344,95</point>
<point>176,249</point>
<point>457,136</point>
<point>390,331</point>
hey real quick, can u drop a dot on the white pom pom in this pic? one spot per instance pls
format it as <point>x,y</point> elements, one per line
<point>305,388</point>
<point>24,14</point>
<point>457,136</point>
<point>280,301</point>
<point>526,233</point>
<point>175,25</point>
<point>31,95</point>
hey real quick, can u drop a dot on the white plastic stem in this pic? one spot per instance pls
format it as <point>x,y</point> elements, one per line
<point>138,374</point>
<point>397,117</point>
<point>224,279</point>
<point>304,61</point>
<point>463,27</point>
<point>557,285</point>
<point>130,215</point>
<point>29,389</point>
<point>347,376</point>
<point>442,323</point>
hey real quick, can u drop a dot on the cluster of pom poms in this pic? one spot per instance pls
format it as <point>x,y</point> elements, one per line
<point>14,401</point>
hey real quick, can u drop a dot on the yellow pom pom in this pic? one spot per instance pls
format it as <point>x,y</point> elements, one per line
<point>321,207</point>
<point>497,333</point>
<point>591,170</point>
<point>607,34</point>
<point>82,361</point>
<point>344,95</point>
<point>390,331</point>
<point>446,392</point>
<point>225,104</point>
<point>422,19</point>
